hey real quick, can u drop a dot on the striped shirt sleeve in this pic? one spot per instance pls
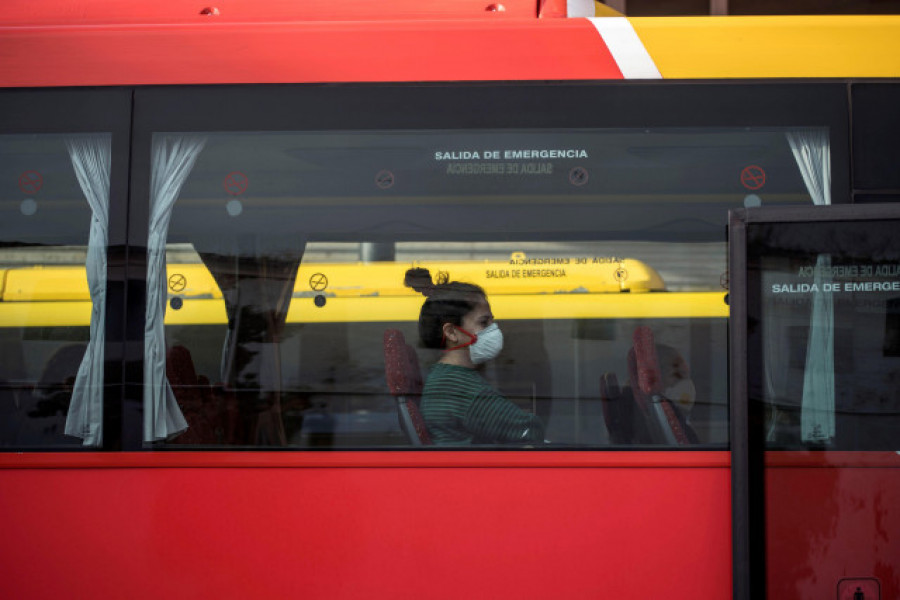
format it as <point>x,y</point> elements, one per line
<point>493,417</point>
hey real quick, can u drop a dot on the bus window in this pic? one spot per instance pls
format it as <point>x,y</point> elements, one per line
<point>277,263</point>
<point>827,333</point>
<point>53,243</point>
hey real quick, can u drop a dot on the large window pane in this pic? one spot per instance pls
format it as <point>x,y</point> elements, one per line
<point>287,258</point>
<point>828,331</point>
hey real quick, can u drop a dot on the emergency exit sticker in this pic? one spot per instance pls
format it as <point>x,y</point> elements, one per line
<point>859,588</point>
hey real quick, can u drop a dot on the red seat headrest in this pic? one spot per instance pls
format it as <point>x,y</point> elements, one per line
<point>401,366</point>
<point>649,377</point>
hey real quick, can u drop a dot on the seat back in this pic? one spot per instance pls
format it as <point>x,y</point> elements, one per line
<point>404,380</point>
<point>195,396</point>
<point>10,415</point>
<point>616,410</point>
<point>646,383</point>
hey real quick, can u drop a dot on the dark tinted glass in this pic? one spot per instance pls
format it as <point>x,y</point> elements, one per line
<point>876,128</point>
<point>826,329</point>
<point>53,222</point>
<point>287,256</point>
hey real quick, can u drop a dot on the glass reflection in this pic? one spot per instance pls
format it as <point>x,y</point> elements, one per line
<point>828,316</point>
<point>53,239</point>
<point>601,252</point>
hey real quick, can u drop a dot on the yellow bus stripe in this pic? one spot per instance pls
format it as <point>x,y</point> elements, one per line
<point>763,47</point>
<point>660,305</point>
<point>45,314</point>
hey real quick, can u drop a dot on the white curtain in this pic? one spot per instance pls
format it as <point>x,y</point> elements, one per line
<point>173,158</point>
<point>91,159</point>
<point>812,152</point>
<point>813,155</point>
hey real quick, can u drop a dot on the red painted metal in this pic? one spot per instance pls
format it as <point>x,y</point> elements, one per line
<point>69,12</point>
<point>553,9</point>
<point>479,525</point>
<point>229,53</point>
<point>831,515</point>
<point>832,459</point>
<point>395,524</point>
<point>373,459</point>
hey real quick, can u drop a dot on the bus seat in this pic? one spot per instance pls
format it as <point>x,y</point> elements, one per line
<point>180,369</point>
<point>46,405</point>
<point>404,380</point>
<point>194,396</point>
<point>617,410</point>
<point>625,421</point>
<point>415,375</point>
<point>10,415</point>
<point>646,383</point>
<point>53,391</point>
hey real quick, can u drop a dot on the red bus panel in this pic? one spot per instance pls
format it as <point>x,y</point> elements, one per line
<point>335,525</point>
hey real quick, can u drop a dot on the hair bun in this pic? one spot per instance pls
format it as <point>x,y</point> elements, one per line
<point>419,279</point>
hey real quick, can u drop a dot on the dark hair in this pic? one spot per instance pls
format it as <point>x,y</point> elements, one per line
<point>445,302</point>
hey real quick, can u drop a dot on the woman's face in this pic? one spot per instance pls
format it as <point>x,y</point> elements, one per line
<point>479,317</point>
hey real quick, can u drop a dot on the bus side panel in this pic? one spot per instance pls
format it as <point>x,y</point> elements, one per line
<point>827,523</point>
<point>385,532</point>
<point>521,49</point>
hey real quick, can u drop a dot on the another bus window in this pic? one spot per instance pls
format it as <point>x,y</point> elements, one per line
<point>286,254</point>
<point>827,331</point>
<point>53,232</point>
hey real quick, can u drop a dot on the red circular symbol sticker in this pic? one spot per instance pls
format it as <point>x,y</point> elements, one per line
<point>384,179</point>
<point>235,183</point>
<point>578,176</point>
<point>31,182</point>
<point>753,177</point>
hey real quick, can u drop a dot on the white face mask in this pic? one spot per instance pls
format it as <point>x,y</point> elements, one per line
<point>488,344</point>
<point>683,394</point>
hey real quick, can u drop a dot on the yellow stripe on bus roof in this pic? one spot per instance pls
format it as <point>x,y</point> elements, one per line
<point>772,46</point>
<point>654,305</point>
<point>520,274</point>
<point>661,305</point>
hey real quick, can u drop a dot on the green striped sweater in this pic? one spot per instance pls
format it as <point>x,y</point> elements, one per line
<point>459,407</point>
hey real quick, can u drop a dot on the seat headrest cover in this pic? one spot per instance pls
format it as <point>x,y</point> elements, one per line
<point>401,367</point>
<point>649,377</point>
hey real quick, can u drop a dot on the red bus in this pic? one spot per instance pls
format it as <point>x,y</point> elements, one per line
<point>211,358</point>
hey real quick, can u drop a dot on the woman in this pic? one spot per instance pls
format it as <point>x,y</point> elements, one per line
<point>458,405</point>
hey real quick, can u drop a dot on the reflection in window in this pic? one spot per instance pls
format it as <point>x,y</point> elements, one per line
<point>53,289</point>
<point>602,254</point>
<point>840,393</point>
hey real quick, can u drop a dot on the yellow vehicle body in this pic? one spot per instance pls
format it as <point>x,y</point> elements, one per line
<point>521,287</point>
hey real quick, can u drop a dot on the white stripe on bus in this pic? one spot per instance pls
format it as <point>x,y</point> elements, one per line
<point>626,48</point>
